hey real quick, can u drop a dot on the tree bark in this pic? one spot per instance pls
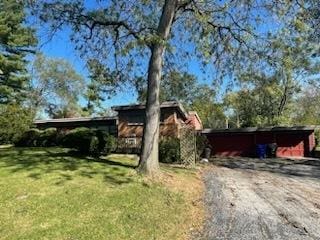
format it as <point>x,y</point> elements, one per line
<point>149,159</point>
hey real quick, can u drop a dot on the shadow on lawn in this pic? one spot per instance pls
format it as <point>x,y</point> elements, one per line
<point>66,164</point>
<point>300,167</point>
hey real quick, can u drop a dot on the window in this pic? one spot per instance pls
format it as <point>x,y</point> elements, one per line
<point>135,120</point>
<point>132,141</point>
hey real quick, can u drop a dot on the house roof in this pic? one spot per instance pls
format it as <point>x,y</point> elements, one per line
<point>259,129</point>
<point>167,104</point>
<point>196,115</point>
<point>79,119</point>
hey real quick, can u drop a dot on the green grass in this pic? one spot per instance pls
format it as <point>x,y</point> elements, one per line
<point>49,193</point>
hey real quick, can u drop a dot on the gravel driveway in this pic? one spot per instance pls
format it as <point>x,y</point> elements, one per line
<point>262,199</point>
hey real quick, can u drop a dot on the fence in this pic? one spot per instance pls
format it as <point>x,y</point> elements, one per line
<point>188,148</point>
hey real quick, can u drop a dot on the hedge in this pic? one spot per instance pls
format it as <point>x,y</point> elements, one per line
<point>89,141</point>
<point>169,150</point>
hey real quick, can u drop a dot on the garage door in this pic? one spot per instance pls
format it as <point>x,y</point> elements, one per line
<point>232,145</point>
<point>290,145</point>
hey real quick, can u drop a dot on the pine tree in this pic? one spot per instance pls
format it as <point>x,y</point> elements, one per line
<point>16,41</point>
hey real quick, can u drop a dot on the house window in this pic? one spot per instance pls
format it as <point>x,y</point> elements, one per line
<point>132,141</point>
<point>135,120</point>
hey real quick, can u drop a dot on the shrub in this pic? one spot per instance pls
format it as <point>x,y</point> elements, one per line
<point>80,139</point>
<point>29,138</point>
<point>107,142</point>
<point>317,137</point>
<point>14,121</point>
<point>169,150</point>
<point>94,149</point>
<point>47,138</point>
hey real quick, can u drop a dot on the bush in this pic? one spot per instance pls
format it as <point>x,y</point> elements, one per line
<point>107,142</point>
<point>14,121</point>
<point>317,137</point>
<point>80,139</point>
<point>89,141</point>
<point>47,138</point>
<point>29,138</point>
<point>169,150</point>
<point>85,140</point>
<point>94,149</point>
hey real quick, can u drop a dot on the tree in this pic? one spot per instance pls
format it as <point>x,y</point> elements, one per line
<point>307,106</point>
<point>14,121</point>
<point>55,87</point>
<point>121,33</point>
<point>210,112</point>
<point>16,41</point>
<point>103,84</point>
<point>269,88</point>
<point>174,86</point>
<point>262,101</point>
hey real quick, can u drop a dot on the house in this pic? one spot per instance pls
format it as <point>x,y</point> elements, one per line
<point>128,125</point>
<point>173,117</point>
<point>296,141</point>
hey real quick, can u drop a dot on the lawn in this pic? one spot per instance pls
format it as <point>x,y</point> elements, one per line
<point>50,193</point>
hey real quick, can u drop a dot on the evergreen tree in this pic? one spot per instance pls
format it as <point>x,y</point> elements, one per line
<point>16,41</point>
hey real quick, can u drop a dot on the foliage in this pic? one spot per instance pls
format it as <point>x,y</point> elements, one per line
<point>307,106</point>
<point>270,86</point>
<point>56,87</point>
<point>89,141</point>
<point>317,137</point>
<point>262,101</point>
<point>122,32</point>
<point>14,121</point>
<point>38,138</point>
<point>107,142</point>
<point>209,110</point>
<point>30,138</point>
<point>83,139</point>
<point>175,86</point>
<point>48,138</point>
<point>169,150</point>
<point>16,40</point>
<point>102,83</point>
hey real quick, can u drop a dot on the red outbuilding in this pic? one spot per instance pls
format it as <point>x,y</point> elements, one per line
<point>291,141</point>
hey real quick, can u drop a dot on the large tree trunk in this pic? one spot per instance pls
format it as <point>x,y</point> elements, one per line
<point>149,159</point>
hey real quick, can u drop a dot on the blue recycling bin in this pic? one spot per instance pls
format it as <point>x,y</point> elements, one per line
<point>261,151</point>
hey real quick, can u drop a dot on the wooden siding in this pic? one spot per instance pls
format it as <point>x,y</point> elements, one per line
<point>131,123</point>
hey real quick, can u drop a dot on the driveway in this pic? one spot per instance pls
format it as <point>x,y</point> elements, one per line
<point>262,199</point>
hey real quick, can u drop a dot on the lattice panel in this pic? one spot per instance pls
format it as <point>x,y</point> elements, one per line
<point>188,146</point>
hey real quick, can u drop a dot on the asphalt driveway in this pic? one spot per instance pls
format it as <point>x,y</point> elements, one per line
<point>262,199</point>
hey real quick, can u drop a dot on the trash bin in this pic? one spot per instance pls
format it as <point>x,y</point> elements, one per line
<point>207,152</point>
<point>261,150</point>
<point>272,150</point>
